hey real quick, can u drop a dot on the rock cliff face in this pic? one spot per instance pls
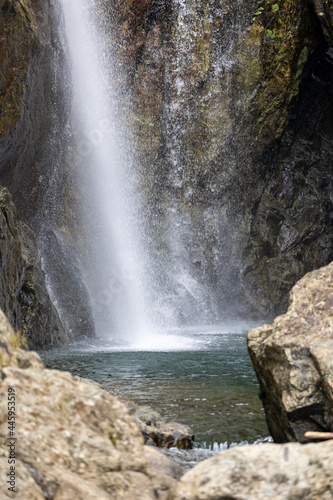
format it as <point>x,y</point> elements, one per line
<point>293,360</point>
<point>30,50</point>
<point>23,294</point>
<point>74,440</point>
<point>324,10</point>
<point>34,107</point>
<point>240,186</point>
<point>229,106</point>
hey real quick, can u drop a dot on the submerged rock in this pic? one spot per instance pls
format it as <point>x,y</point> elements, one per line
<point>157,431</point>
<point>23,294</point>
<point>269,471</point>
<point>293,360</point>
<point>74,440</point>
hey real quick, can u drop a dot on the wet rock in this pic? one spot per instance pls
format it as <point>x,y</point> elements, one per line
<point>34,161</point>
<point>64,276</point>
<point>282,472</point>
<point>31,54</point>
<point>324,10</point>
<point>23,293</point>
<point>229,108</point>
<point>156,431</point>
<point>293,360</point>
<point>74,440</point>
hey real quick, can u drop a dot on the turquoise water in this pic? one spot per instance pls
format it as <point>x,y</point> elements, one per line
<point>202,377</point>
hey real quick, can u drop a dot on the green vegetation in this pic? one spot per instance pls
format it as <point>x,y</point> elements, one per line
<point>285,47</point>
<point>256,14</point>
<point>17,340</point>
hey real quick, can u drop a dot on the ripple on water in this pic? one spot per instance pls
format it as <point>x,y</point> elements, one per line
<point>200,378</point>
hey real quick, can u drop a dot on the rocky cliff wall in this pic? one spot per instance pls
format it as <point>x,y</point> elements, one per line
<point>30,51</point>
<point>35,102</point>
<point>229,108</point>
<point>23,294</point>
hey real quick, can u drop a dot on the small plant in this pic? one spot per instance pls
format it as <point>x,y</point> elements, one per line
<point>275,7</point>
<point>256,14</point>
<point>271,33</point>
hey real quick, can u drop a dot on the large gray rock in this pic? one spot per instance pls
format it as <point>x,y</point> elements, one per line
<point>74,440</point>
<point>23,294</point>
<point>293,360</point>
<point>270,471</point>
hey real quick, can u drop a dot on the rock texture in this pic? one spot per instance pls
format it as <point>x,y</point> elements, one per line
<point>74,440</point>
<point>293,360</point>
<point>31,105</point>
<point>229,106</point>
<point>226,158</point>
<point>156,431</point>
<point>279,472</point>
<point>324,10</point>
<point>35,101</point>
<point>23,293</point>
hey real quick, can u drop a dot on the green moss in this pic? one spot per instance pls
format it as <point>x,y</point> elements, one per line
<point>284,52</point>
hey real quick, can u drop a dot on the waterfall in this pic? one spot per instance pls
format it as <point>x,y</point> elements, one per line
<point>112,259</point>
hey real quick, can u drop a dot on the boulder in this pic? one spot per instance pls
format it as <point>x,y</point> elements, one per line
<point>157,431</point>
<point>73,439</point>
<point>270,471</point>
<point>293,360</point>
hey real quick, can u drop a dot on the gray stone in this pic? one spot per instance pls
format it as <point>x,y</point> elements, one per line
<point>269,471</point>
<point>293,360</point>
<point>157,431</point>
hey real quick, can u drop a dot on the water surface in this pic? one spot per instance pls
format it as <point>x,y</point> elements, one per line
<point>202,377</point>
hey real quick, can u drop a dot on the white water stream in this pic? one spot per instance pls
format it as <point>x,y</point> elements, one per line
<point>114,270</point>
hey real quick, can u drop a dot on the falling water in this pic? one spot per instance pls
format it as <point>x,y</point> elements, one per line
<point>113,260</point>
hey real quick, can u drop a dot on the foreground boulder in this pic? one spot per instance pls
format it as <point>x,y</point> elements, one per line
<point>293,360</point>
<point>74,440</point>
<point>270,471</point>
